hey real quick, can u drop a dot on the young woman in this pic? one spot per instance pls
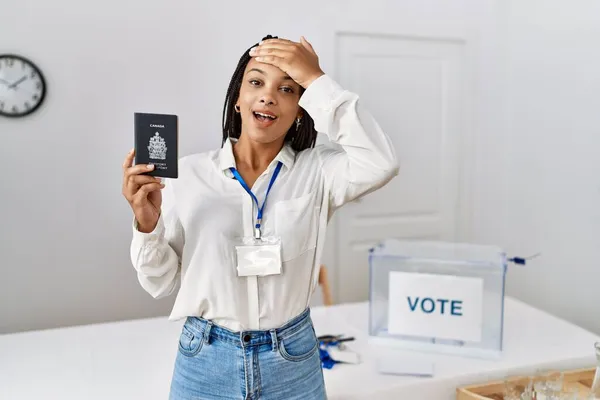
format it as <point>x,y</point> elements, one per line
<point>247,267</point>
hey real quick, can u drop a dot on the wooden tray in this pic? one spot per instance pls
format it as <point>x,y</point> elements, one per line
<point>580,379</point>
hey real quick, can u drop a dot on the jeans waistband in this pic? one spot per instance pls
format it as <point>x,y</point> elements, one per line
<point>208,330</point>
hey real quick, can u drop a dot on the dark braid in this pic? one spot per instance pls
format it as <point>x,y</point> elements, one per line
<point>301,139</point>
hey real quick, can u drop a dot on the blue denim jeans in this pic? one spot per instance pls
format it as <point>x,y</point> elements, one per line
<point>278,364</point>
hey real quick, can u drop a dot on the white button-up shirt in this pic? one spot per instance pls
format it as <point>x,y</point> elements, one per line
<point>206,210</point>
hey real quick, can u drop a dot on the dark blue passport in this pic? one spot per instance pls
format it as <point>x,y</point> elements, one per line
<point>156,142</point>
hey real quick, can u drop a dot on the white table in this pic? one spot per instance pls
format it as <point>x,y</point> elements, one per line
<point>134,359</point>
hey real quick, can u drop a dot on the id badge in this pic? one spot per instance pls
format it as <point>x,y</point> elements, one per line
<point>258,257</point>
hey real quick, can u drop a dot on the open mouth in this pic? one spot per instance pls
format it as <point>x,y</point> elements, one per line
<point>264,117</point>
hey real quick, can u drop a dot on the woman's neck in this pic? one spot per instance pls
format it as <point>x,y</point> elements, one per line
<point>253,156</point>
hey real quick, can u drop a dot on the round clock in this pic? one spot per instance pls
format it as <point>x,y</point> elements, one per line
<point>22,86</point>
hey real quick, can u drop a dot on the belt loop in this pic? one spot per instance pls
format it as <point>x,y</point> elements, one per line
<point>207,330</point>
<point>274,339</point>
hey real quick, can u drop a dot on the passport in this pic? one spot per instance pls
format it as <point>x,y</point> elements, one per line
<point>156,140</point>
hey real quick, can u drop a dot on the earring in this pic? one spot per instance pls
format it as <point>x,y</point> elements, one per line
<point>237,108</point>
<point>298,123</point>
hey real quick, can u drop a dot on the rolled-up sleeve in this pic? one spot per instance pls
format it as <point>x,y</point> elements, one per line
<point>366,160</point>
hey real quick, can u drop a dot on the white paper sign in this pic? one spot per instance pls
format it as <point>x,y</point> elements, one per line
<point>439,306</point>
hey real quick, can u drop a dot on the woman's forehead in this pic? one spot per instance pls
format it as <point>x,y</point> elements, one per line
<point>268,70</point>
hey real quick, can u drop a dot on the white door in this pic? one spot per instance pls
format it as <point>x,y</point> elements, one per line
<point>414,88</point>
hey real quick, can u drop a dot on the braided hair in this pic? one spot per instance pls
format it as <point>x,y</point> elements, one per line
<point>300,139</point>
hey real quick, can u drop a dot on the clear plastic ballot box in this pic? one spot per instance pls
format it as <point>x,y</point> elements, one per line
<point>437,296</point>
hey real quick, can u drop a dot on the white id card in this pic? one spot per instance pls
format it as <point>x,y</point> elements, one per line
<point>258,257</point>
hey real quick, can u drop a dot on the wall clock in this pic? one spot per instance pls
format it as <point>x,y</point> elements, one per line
<point>22,86</point>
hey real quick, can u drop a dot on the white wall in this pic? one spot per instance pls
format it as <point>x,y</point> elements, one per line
<point>537,185</point>
<point>65,231</point>
<point>65,227</point>
<point>552,155</point>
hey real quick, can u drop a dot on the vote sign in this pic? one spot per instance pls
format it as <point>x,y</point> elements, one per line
<point>438,306</point>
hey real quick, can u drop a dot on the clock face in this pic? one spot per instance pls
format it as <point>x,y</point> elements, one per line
<point>22,86</point>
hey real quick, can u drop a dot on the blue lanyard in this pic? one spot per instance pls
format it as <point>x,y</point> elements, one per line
<point>260,209</point>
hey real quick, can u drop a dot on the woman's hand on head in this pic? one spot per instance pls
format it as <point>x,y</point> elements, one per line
<point>298,60</point>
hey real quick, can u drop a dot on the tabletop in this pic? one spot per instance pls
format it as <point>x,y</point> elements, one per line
<point>134,359</point>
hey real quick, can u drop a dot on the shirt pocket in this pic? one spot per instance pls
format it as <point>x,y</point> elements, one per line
<point>297,223</point>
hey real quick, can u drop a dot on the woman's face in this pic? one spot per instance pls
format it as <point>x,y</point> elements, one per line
<point>268,102</point>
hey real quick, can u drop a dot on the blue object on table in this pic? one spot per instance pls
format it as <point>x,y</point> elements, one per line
<point>327,341</point>
<point>326,361</point>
